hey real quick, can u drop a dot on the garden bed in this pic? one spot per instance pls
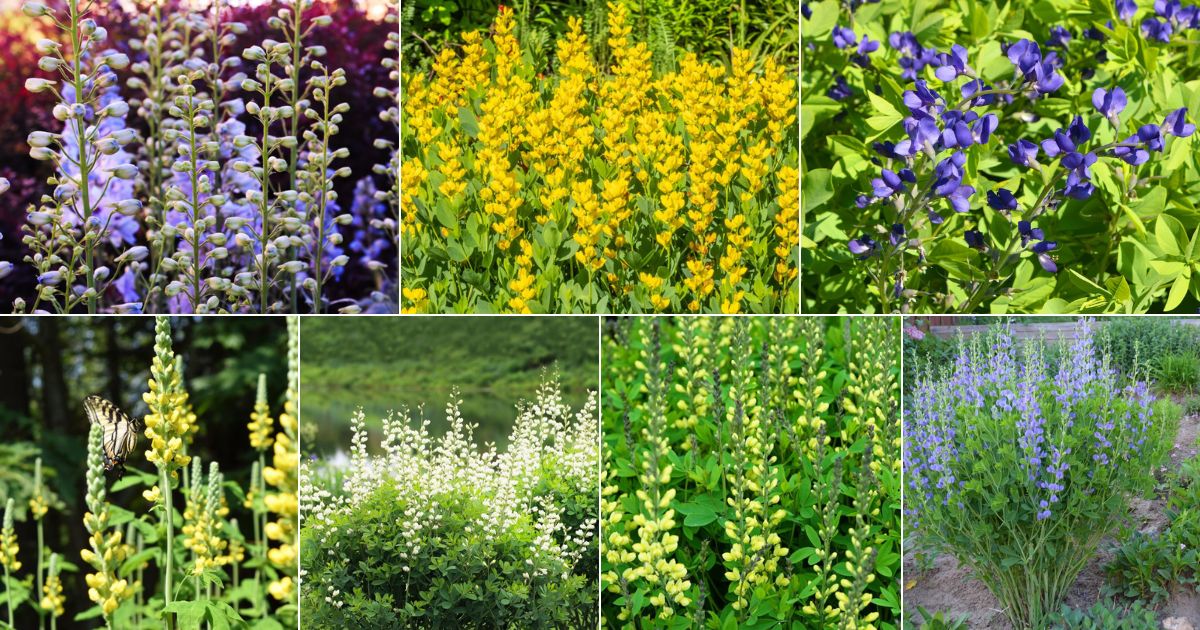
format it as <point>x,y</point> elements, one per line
<point>950,588</point>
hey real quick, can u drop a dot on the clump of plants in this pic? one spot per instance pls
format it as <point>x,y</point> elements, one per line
<point>998,158</point>
<point>436,532</point>
<point>1020,467</point>
<point>602,186</point>
<point>752,473</point>
<point>161,567</point>
<point>198,172</point>
<point>1147,566</point>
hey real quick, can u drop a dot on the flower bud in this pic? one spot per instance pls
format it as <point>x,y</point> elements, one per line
<point>125,171</point>
<point>35,9</point>
<point>40,139</point>
<point>129,207</point>
<point>49,64</point>
<point>117,61</point>
<point>36,85</point>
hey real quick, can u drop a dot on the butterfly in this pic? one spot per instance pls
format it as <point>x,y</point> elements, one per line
<point>120,431</point>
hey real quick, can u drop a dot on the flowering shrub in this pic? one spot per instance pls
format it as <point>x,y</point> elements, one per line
<point>1020,467</point>
<point>214,187</point>
<point>752,474</point>
<point>999,161</point>
<point>598,188</point>
<point>433,532</point>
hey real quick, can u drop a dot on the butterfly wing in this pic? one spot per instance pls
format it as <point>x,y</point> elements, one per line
<point>120,433</point>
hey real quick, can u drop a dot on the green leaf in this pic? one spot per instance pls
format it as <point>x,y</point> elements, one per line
<point>188,614</point>
<point>1179,289</point>
<point>468,122</point>
<point>887,115</point>
<point>1170,235</point>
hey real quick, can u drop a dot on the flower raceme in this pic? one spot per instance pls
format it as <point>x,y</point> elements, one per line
<point>598,188</point>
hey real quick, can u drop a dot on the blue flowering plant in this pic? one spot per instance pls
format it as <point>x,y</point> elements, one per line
<point>1001,160</point>
<point>1020,460</point>
<point>215,187</point>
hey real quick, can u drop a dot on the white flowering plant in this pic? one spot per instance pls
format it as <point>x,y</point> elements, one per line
<point>436,532</point>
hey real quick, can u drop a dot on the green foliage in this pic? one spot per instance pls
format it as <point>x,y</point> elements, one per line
<point>1105,615</point>
<point>1020,467</point>
<point>1147,566</point>
<point>1143,340</point>
<point>433,533</point>
<point>1177,372</point>
<point>751,473</point>
<point>670,28</point>
<point>1191,405</point>
<point>936,621</point>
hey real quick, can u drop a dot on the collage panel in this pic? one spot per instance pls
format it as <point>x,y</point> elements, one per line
<point>751,473</point>
<point>1030,156</point>
<point>601,156</point>
<point>149,472</point>
<point>450,475</point>
<point>213,156</point>
<point>1052,472</point>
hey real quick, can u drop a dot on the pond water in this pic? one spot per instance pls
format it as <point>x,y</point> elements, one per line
<point>493,412</point>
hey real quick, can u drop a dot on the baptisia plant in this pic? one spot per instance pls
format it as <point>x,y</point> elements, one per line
<point>1019,461</point>
<point>81,235</point>
<point>935,168</point>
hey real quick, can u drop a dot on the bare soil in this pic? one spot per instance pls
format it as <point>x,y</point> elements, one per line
<point>948,587</point>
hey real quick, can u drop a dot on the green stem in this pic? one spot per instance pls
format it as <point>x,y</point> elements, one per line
<point>164,481</point>
<point>8,592</point>
<point>38,594</point>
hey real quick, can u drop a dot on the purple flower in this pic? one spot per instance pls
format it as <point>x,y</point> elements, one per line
<point>1028,232</point>
<point>1130,152</point>
<point>922,100</point>
<point>1002,200</point>
<point>1154,29</point>
<point>1059,36</point>
<point>1177,125</point>
<point>974,239</point>
<point>1023,153</point>
<point>1152,136</point>
<point>975,86</point>
<point>863,246</point>
<point>1110,104</point>
<point>843,37</point>
<point>1126,9</point>
<point>1078,132</point>
<point>983,128</point>
<point>840,89</point>
<point>1044,259</point>
<point>1059,143</point>
<point>953,64</point>
<point>957,135</point>
<point>888,184</point>
<point>896,236</point>
<point>867,46</point>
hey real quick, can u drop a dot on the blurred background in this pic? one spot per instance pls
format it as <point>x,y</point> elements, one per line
<point>48,365</point>
<point>389,363</point>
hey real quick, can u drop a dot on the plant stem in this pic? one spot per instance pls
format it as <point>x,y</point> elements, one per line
<point>38,593</point>
<point>164,481</point>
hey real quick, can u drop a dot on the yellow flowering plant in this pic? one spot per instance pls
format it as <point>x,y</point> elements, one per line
<point>752,473</point>
<point>598,187</point>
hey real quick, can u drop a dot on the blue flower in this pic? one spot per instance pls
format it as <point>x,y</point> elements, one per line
<point>1154,29</point>
<point>1059,143</point>
<point>1023,153</point>
<point>1110,104</point>
<point>840,89</point>
<point>984,127</point>
<point>896,236</point>
<point>1126,9</point>
<point>1059,36</point>
<point>922,100</point>
<point>952,64</point>
<point>975,86</point>
<point>1130,152</point>
<point>843,37</point>
<point>1152,136</point>
<point>863,246</point>
<point>1028,232</point>
<point>1001,199</point>
<point>1078,132</point>
<point>890,183</point>
<point>1177,125</point>
<point>974,239</point>
<point>1044,258</point>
